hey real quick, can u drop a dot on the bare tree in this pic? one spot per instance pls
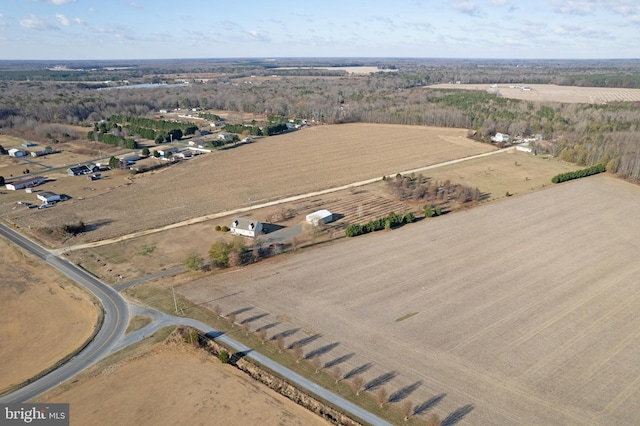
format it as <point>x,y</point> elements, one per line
<point>279,342</point>
<point>262,335</point>
<point>245,328</point>
<point>382,396</point>
<point>231,317</point>
<point>406,409</point>
<point>216,310</point>
<point>337,374</point>
<point>357,382</point>
<point>434,420</point>
<point>316,364</point>
<point>296,352</point>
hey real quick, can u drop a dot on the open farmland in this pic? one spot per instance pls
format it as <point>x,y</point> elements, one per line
<point>45,317</point>
<point>193,388</point>
<point>516,172</point>
<point>553,93</point>
<point>311,159</point>
<point>521,311</point>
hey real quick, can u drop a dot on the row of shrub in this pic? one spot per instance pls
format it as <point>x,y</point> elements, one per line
<point>390,221</point>
<point>241,128</point>
<point>577,174</point>
<point>113,140</point>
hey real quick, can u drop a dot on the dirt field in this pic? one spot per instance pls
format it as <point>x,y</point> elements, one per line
<point>553,93</point>
<point>36,305</point>
<point>516,172</point>
<point>311,159</point>
<point>193,388</point>
<point>522,311</point>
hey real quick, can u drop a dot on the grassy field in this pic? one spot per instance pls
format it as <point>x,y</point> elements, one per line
<point>521,311</point>
<point>514,172</point>
<point>295,163</point>
<point>45,317</point>
<point>193,385</point>
<point>553,93</point>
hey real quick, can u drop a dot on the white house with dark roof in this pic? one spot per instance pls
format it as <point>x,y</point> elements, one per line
<point>246,227</point>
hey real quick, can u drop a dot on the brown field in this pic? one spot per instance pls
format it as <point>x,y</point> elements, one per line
<point>515,172</point>
<point>44,316</point>
<point>553,93</point>
<point>170,385</point>
<point>522,311</point>
<point>311,159</point>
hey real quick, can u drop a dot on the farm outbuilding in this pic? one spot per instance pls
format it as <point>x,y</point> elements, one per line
<point>48,197</point>
<point>17,152</point>
<point>246,227</point>
<point>25,183</point>
<point>321,216</point>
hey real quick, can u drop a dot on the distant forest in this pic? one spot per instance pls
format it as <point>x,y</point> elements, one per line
<point>35,98</point>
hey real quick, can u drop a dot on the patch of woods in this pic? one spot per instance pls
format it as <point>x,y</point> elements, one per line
<point>114,130</point>
<point>577,174</point>
<point>421,188</point>
<point>586,134</point>
<point>437,194</point>
<point>64,230</point>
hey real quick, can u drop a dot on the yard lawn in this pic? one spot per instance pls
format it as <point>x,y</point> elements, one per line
<point>521,311</point>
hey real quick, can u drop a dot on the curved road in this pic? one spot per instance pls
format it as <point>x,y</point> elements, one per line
<point>115,312</point>
<point>111,336</point>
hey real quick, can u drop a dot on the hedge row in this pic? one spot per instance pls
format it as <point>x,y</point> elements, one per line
<point>563,177</point>
<point>390,221</point>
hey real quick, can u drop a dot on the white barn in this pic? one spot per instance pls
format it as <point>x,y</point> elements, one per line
<point>246,227</point>
<point>321,216</point>
<point>48,197</point>
<point>25,183</point>
<point>17,152</point>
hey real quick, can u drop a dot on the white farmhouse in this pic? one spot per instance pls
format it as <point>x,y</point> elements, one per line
<point>246,227</point>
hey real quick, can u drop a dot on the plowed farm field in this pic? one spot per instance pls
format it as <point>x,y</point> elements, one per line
<point>307,160</point>
<point>553,93</point>
<point>520,311</point>
<point>45,318</point>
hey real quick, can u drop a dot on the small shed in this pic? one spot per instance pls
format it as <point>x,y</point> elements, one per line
<point>246,227</point>
<point>321,216</point>
<point>48,197</point>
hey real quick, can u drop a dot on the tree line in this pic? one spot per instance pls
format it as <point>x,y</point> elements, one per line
<point>582,133</point>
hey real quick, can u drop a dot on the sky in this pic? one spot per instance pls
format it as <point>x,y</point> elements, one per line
<point>158,29</point>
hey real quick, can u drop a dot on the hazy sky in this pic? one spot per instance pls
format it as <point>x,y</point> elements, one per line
<point>147,29</point>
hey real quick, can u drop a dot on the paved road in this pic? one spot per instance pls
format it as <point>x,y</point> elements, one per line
<point>116,319</point>
<point>163,320</point>
<point>111,336</point>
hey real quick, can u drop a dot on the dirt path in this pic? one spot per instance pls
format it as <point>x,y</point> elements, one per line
<point>262,205</point>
